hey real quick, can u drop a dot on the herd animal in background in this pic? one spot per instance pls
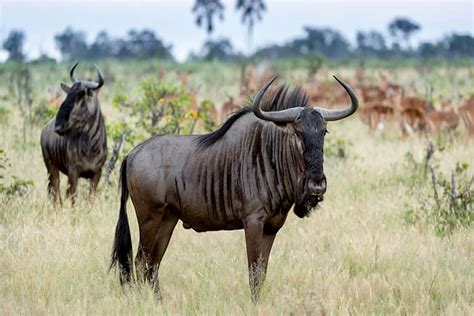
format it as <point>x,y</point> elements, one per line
<point>75,141</point>
<point>390,103</point>
<point>385,103</point>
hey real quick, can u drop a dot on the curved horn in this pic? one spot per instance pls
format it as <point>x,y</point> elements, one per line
<point>334,115</point>
<point>284,116</point>
<point>71,73</point>
<point>99,84</point>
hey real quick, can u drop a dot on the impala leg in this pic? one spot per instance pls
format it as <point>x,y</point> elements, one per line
<point>162,240</point>
<point>259,245</point>
<point>72,186</point>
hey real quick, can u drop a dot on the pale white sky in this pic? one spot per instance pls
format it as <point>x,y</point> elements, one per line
<point>174,23</point>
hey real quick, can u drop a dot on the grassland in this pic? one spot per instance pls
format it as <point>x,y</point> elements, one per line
<point>353,255</point>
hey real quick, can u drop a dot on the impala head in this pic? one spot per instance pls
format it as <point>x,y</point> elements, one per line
<point>80,103</point>
<point>309,124</point>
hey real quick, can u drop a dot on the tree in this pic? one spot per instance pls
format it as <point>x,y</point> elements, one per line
<point>102,47</point>
<point>325,41</point>
<point>145,44</point>
<point>14,45</point>
<point>251,12</point>
<point>460,45</point>
<point>370,44</point>
<point>217,50</point>
<point>430,50</point>
<point>71,44</point>
<point>205,10</point>
<point>403,28</point>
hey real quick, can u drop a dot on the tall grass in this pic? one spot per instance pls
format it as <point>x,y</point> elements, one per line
<point>353,255</point>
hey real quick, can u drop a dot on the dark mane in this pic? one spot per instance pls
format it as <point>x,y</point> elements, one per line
<point>278,99</point>
<point>209,139</point>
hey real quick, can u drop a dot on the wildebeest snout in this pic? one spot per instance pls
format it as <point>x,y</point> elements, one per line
<point>317,187</point>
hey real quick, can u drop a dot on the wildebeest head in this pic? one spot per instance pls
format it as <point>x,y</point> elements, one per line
<point>80,103</point>
<point>309,125</point>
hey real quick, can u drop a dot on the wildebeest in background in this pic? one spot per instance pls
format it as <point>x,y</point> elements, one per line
<point>245,175</point>
<point>75,141</point>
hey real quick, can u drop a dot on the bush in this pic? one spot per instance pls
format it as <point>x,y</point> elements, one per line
<point>162,108</point>
<point>336,147</point>
<point>418,169</point>
<point>451,203</point>
<point>43,112</point>
<point>4,114</point>
<point>16,186</point>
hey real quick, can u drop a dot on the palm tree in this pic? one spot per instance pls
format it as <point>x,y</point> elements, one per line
<point>251,12</point>
<point>205,10</point>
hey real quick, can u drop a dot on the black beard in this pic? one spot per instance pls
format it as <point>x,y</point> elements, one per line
<point>304,202</point>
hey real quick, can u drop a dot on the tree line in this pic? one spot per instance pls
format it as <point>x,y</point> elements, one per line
<point>327,42</point>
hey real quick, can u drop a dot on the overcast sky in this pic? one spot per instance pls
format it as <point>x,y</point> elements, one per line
<point>173,21</point>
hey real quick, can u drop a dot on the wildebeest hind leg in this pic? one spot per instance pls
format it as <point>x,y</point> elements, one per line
<point>149,220</point>
<point>168,223</point>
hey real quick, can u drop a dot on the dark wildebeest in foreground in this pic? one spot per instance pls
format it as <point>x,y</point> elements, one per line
<point>75,141</point>
<point>245,175</point>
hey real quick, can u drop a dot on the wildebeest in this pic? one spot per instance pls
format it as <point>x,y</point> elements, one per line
<point>75,141</point>
<point>245,175</point>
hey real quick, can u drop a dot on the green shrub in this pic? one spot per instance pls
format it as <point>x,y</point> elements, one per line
<point>16,185</point>
<point>450,205</point>
<point>42,113</point>
<point>336,147</point>
<point>4,114</point>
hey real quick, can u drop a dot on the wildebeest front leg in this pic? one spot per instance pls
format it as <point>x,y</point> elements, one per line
<point>53,183</point>
<point>95,182</point>
<point>259,245</point>
<point>72,186</point>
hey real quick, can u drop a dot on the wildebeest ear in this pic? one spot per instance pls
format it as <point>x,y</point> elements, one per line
<point>65,87</point>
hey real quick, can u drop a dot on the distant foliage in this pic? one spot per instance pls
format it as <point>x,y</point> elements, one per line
<point>220,49</point>
<point>13,44</point>
<point>72,44</point>
<point>402,28</point>
<point>314,64</point>
<point>252,11</point>
<point>143,44</point>
<point>206,11</point>
<point>371,44</point>
<point>16,185</point>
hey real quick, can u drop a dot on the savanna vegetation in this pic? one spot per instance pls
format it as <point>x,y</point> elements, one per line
<point>393,235</point>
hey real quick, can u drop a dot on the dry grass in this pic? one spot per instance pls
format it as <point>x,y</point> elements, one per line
<point>354,255</point>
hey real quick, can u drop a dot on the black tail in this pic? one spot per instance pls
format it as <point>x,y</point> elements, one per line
<point>122,249</point>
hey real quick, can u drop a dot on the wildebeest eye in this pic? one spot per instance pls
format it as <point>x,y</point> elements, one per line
<point>80,94</point>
